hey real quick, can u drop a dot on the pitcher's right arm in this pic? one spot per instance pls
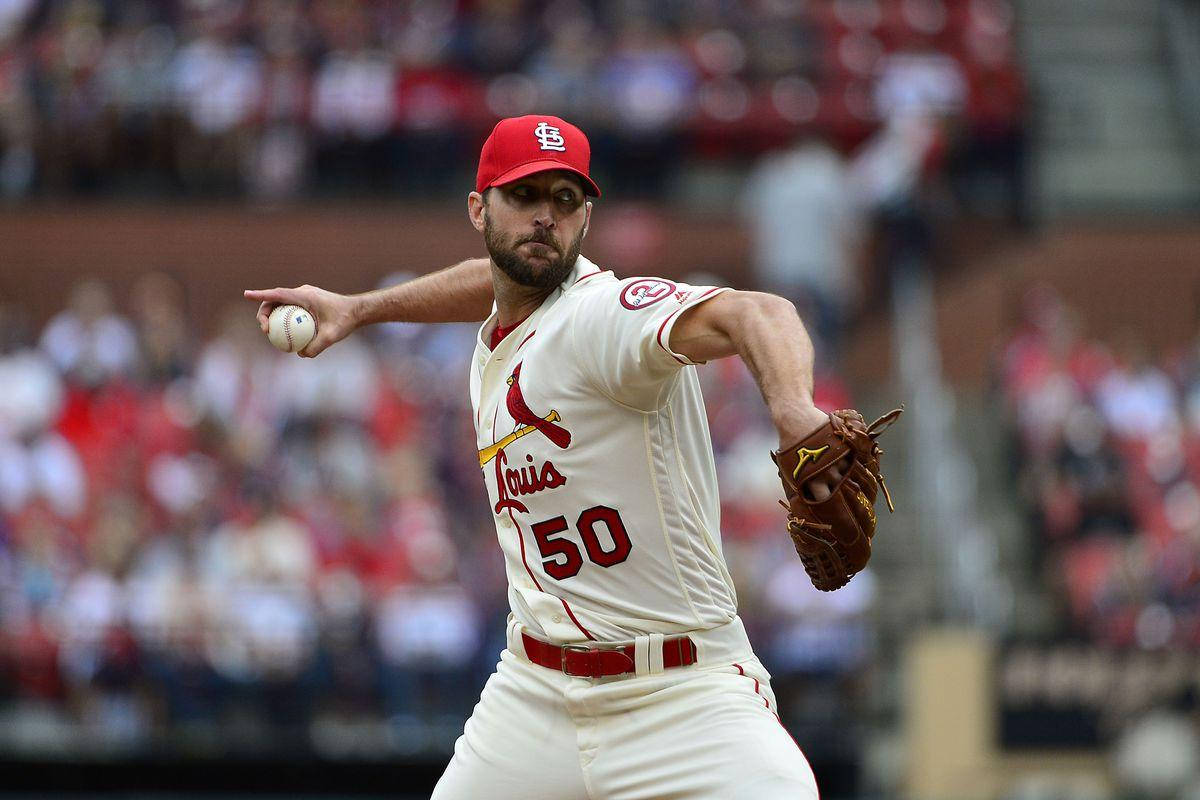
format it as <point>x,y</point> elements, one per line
<point>461,293</point>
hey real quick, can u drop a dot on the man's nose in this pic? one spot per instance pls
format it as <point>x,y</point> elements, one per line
<point>543,218</point>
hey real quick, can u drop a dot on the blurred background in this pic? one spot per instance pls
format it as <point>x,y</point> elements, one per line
<point>223,569</point>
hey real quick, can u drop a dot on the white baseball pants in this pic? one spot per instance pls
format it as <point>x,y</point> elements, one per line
<point>704,732</point>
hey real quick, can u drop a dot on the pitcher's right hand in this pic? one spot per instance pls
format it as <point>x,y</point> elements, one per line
<point>336,314</point>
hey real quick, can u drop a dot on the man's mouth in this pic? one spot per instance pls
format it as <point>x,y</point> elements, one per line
<point>540,250</point>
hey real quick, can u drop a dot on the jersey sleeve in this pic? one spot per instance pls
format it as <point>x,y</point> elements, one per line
<point>622,336</point>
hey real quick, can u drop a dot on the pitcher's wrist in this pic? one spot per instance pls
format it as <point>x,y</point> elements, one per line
<point>797,421</point>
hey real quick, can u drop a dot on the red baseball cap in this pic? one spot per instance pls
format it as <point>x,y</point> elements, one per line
<point>520,146</point>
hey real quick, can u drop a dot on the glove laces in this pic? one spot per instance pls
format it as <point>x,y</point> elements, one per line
<point>873,430</point>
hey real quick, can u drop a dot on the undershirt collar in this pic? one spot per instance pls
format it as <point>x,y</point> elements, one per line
<point>499,332</point>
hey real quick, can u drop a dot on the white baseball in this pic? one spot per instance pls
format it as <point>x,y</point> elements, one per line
<point>291,328</point>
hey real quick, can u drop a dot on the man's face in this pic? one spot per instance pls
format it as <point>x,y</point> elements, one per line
<point>533,227</point>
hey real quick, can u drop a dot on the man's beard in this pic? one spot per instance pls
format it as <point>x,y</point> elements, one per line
<point>519,269</point>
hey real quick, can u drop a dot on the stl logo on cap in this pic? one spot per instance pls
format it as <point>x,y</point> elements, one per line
<point>550,137</point>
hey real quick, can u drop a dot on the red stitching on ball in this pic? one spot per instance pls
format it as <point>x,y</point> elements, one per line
<point>287,329</point>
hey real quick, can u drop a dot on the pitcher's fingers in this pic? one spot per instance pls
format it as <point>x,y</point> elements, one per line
<point>818,490</point>
<point>268,299</point>
<point>279,296</point>
<point>264,315</point>
<point>276,295</point>
<point>838,471</point>
<point>313,348</point>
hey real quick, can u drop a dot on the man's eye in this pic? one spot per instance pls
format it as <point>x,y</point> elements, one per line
<point>566,198</point>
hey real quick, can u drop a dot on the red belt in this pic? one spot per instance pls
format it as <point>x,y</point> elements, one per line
<point>596,661</point>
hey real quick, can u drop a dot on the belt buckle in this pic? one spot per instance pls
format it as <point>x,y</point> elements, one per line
<point>576,648</point>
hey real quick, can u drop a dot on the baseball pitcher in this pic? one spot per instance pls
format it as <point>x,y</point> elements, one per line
<point>628,673</point>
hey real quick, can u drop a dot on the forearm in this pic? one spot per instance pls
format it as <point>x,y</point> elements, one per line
<point>461,293</point>
<point>769,336</point>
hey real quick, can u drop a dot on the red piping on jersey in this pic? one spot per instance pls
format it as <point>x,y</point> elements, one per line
<point>521,541</point>
<point>520,535</point>
<point>526,339</point>
<point>572,616</point>
<point>590,274</point>
<point>672,316</point>
<point>567,608</point>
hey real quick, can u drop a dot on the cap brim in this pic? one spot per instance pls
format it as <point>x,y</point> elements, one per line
<point>529,168</point>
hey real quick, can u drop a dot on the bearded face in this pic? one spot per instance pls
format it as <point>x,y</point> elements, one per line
<point>543,266</point>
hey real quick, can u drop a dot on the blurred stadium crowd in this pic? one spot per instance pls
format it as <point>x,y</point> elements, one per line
<point>209,547</point>
<point>272,98</point>
<point>1107,460</point>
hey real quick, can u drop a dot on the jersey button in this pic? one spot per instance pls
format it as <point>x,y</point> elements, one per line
<point>505,522</point>
<point>557,618</point>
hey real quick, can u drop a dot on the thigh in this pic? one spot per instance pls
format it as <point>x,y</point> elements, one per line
<point>714,735</point>
<point>519,744</point>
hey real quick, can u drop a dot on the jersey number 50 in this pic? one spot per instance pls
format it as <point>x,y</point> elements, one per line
<point>561,557</point>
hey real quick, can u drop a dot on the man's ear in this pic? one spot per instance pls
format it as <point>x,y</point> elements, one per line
<point>477,210</point>
<point>587,216</point>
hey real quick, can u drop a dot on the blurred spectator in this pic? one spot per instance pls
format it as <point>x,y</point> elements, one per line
<point>33,396</point>
<point>647,78</point>
<point>160,317</point>
<point>806,230</point>
<point>813,632</point>
<point>920,82</point>
<point>353,111</point>
<point>90,342</point>
<point>565,70</point>
<point>1090,463</point>
<point>1137,398</point>
<point>991,172</point>
<point>17,113</point>
<point>218,84</point>
<point>36,463</point>
<point>46,468</point>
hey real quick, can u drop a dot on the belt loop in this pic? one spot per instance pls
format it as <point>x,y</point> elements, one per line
<point>515,645</point>
<point>641,655</point>
<point>655,649</point>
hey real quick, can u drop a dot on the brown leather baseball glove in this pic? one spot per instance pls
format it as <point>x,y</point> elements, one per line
<point>833,535</point>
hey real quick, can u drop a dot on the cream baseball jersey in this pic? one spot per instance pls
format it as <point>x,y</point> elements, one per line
<point>596,453</point>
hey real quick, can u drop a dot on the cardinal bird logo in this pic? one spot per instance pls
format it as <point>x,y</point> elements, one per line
<point>527,422</point>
